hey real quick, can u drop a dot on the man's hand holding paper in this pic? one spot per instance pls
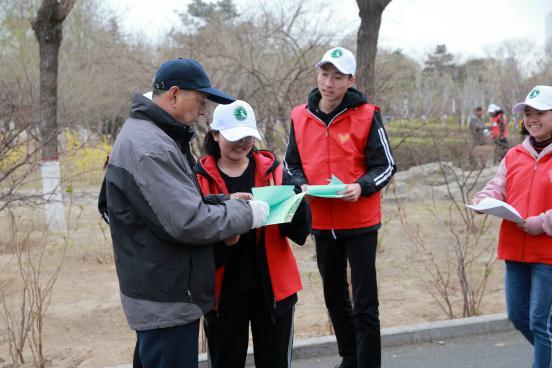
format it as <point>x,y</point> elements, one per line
<point>281,199</point>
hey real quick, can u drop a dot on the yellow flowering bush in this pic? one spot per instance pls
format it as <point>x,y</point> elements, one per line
<point>83,161</point>
<point>12,157</point>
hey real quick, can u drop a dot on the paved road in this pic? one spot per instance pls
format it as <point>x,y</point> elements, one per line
<point>498,350</point>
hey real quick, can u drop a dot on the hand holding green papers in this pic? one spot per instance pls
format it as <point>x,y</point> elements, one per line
<point>327,191</point>
<point>283,201</point>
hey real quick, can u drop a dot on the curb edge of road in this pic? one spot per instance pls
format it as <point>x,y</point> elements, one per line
<point>401,335</point>
<point>395,336</point>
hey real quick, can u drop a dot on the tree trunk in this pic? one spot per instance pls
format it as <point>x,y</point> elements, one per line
<point>370,12</point>
<point>49,43</point>
<point>48,29</point>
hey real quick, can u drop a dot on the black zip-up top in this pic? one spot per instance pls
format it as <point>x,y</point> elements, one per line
<point>376,159</point>
<point>235,269</point>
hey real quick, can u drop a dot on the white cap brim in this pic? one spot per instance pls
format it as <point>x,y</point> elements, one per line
<point>520,107</point>
<point>324,62</point>
<point>237,133</point>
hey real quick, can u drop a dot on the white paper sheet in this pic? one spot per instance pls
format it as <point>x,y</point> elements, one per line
<point>497,208</point>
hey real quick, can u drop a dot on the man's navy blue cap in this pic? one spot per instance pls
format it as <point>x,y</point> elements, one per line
<point>188,74</point>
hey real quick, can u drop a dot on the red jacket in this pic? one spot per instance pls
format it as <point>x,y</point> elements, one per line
<point>339,150</point>
<point>529,191</point>
<point>282,267</point>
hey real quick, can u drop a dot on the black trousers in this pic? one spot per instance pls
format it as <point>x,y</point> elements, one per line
<point>228,336</point>
<point>171,347</point>
<point>356,324</point>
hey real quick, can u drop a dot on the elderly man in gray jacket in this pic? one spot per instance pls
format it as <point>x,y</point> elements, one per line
<point>161,226</point>
<point>477,128</point>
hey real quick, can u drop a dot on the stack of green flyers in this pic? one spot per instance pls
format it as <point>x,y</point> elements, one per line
<point>283,201</point>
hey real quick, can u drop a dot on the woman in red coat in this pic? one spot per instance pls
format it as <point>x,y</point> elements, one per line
<point>257,278</point>
<point>524,180</point>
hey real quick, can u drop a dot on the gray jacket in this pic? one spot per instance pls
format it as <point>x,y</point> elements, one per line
<point>161,227</point>
<point>477,136</point>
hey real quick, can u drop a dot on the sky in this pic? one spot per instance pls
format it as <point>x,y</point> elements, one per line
<point>467,27</point>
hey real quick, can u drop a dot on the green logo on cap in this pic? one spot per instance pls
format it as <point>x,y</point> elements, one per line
<point>534,93</point>
<point>240,113</point>
<point>337,53</point>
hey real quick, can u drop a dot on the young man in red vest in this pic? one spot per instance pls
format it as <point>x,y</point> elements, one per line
<point>338,133</point>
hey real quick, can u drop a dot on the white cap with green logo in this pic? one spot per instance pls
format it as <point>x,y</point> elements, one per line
<point>235,121</point>
<point>341,58</point>
<point>539,98</point>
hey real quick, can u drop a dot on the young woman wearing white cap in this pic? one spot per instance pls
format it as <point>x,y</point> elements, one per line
<point>257,278</point>
<point>524,180</point>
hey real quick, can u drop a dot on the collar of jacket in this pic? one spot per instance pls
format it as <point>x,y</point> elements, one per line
<point>352,98</point>
<point>265,163</point>
<point>145,109</point>
<point>526,144</point>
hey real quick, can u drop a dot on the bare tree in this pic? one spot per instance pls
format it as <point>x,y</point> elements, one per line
<point>48,29</point>
<point>396,83</point>
<point>18,319</point>
<point>370,12</point>
<point>459,263</point>
<point>266,59</point>
<point>19,148</point>
<point>39,260</point>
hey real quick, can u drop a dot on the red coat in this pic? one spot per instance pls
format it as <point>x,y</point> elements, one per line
<point>339,150</point>
<point>282,267</point>
<point>528,190</point>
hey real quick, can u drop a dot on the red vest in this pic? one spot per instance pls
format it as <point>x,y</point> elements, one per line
<point>496,122</point>
<point>282,267</point>
<point>528,190</point>
<point>339,150</point>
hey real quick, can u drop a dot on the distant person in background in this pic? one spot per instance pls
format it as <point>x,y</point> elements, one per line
<point>524,180</point>
<point>499,131</point>
<point>477,127</point>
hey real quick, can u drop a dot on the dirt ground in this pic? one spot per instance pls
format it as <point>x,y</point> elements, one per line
<point>85,326</point>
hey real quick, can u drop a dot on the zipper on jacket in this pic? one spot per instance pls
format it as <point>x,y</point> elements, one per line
<point>333,234</point>
<point>331,121</point>
<point>328,152</point>
<point>527,205</point>
<point>330,173</point>
<point>188,291</point>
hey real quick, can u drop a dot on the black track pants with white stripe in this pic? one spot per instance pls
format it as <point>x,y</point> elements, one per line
<point>356,323</point>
